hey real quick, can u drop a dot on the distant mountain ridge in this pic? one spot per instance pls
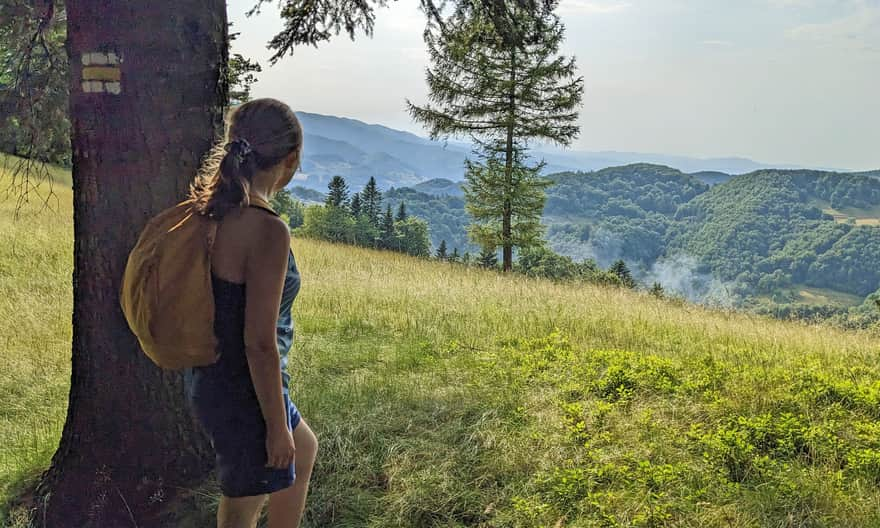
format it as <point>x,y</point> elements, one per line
<point>357,151</point>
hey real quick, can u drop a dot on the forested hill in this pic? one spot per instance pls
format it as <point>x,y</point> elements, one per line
<point>777,229</point>
<point>780,236</point>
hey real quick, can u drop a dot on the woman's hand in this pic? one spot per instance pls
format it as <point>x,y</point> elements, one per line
<point>280,449</point>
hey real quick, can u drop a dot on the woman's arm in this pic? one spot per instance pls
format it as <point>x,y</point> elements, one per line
<point>265,270</point>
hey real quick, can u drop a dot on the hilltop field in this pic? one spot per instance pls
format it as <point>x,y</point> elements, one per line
<point>451,396</point>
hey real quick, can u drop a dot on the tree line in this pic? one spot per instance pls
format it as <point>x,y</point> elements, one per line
<point>360,218</point>
<point>363,219</point>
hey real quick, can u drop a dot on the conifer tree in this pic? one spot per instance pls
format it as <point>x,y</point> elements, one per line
<point>354,205</point>
<point>488,258</point>
<point>503,86</point>
<point>454,257</point>
<point>338,195</point>
<point>622,272</point>
<point>401,212</point>
<point>317,21</point>
<point>441,251</point>
<point>657,290</point>
<point>371,202</point>
<point>506,207</point>
<point>387,230</point>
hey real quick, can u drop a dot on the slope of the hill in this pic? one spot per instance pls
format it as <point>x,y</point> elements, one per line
<point>447,396</point>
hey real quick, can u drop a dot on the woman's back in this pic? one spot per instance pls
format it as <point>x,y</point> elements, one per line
<point>230,294</point>
<point>235,236</point>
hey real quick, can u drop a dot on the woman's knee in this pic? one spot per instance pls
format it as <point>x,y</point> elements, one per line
<point>306,443</point>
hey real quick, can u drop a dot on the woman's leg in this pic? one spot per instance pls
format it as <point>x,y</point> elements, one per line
<point>239,512</point>
<point>286,506</point>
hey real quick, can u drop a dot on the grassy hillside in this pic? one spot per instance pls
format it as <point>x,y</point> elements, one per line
<point>455,397</point>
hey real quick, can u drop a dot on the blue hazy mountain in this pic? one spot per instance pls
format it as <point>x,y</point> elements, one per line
<point>356,151</point>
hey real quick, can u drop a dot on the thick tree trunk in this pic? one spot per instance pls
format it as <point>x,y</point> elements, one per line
<point>147,88</point>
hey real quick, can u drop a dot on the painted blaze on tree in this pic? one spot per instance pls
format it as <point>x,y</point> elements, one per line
<point>502,83</point>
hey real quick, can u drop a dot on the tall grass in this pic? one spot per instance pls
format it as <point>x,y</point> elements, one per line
<point>35,333</point>
<point>452,396</point>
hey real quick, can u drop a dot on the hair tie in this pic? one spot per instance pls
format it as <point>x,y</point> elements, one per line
<point>240,148</point>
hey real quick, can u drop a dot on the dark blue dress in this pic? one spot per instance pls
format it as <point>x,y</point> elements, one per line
<point>224,401</point>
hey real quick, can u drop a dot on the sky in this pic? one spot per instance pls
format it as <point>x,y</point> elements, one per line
<point>777,81</point>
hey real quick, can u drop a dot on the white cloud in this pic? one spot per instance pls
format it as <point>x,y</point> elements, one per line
<point>591,7</point>
<point>857,30</point>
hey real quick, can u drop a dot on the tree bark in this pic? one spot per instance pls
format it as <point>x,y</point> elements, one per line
<point>139,130</point>
<point>506,220</point>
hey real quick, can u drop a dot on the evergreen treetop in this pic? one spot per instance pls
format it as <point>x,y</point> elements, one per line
<point>338,192</point>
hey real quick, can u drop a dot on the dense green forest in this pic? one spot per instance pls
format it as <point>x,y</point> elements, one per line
<point>773,229</point>
<point>619,212</point>
<point>786,242</point>
<point>445,215</point>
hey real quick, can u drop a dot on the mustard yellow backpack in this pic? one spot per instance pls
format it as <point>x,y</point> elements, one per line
<point>166,292</point>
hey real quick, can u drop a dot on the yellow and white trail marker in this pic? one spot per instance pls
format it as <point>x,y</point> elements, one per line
<point>101,73</point>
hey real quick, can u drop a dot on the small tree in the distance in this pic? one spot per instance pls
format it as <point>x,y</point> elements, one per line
<point>289,208</point>
<point>441,251</point>
<point>620,269</point>
<point>388,239</point>
<point>354,205</point>
<point>371,202</point>
<point>657,290</point>
<point>488,258</point>
<point>338,192</point>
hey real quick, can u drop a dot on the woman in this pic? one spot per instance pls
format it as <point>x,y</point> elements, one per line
<point>243,400</point>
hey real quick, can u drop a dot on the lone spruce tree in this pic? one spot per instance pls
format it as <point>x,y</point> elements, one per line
<point>503,83</point>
